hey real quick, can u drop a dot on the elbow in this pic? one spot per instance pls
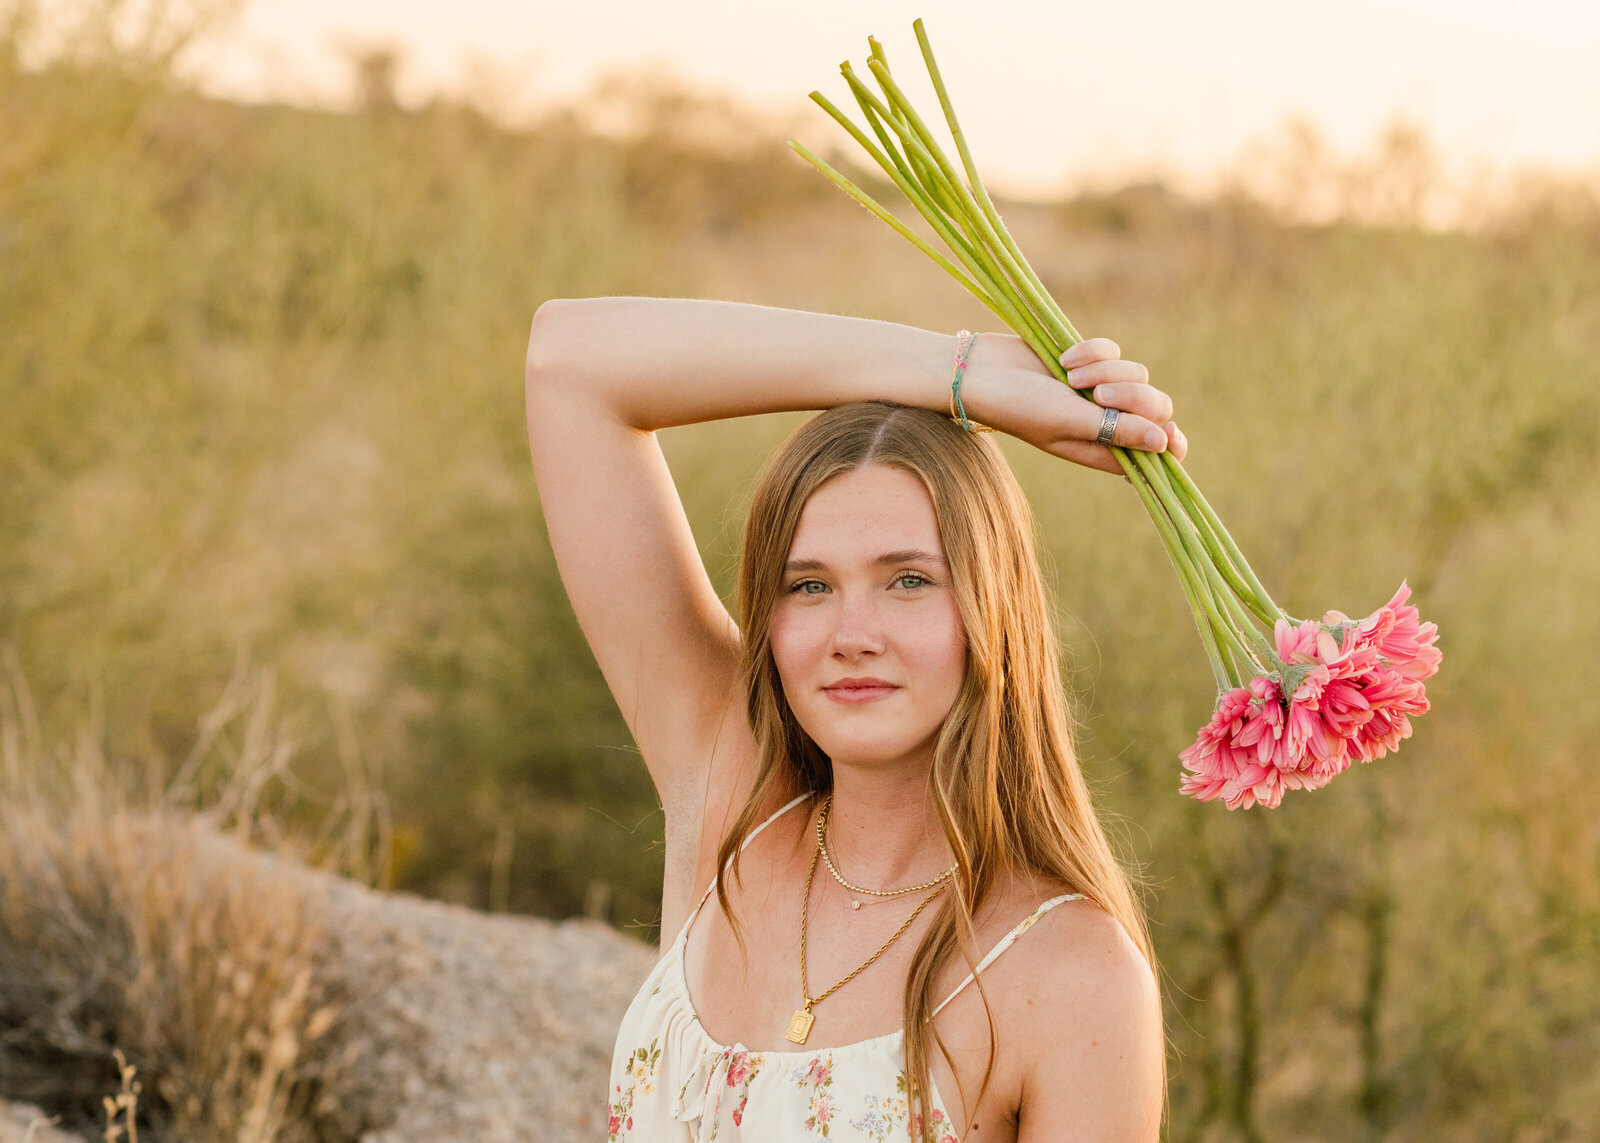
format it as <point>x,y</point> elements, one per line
<point>544,339</point>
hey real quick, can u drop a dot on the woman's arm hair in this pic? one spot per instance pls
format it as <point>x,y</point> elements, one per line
<point>604,373</point>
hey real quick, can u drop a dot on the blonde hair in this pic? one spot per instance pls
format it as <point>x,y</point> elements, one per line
<point>1005,780</point>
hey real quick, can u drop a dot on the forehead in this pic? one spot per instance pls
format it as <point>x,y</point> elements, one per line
<point>864,512</point>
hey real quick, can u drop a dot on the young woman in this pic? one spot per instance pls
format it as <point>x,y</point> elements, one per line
<point>873,771</point>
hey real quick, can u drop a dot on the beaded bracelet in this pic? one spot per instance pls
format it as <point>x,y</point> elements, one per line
<point>964,340</point>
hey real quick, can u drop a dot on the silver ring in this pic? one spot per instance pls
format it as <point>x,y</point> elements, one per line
<point>1108,426</point>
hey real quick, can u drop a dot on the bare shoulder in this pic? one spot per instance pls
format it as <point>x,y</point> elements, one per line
<point>1082,1008</point>
<point>1075,965</point>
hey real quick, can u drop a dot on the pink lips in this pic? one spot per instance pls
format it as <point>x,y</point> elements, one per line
<point>855,690</point>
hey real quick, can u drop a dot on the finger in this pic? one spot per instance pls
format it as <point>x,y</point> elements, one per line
<point>1089,350</point>
<point>1103,372</point>
<point>1177,443</point>
<point>1091,455</point>
<point>1083,421</point>
<point>1145,400</point>
<point>1088,454</point>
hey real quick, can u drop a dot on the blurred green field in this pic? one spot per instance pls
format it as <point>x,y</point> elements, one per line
<point>261,411</point>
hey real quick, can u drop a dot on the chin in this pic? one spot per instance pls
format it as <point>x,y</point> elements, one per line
<point>869,751</point>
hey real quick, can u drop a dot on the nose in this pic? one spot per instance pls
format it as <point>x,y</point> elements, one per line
<point>858,630</point>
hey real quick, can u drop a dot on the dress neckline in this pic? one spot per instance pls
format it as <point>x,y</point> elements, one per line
<point>680,949</point>
<point>681,944</point>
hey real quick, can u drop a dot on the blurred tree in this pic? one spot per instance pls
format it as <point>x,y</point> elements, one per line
<point>377,69</point>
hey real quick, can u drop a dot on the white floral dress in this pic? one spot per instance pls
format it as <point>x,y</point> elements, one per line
<point>672,1083</point>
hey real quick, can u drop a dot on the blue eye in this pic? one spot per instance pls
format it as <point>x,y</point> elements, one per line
<point>804,587</point>
<point>916,580</point>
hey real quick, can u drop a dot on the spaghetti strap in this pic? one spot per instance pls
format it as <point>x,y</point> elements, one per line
<point>1007,941</point>
<point>751,836</point>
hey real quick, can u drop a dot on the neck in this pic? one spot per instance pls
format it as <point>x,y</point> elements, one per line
<point>882,828</point>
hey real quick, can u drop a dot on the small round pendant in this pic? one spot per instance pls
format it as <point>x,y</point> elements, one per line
<point>855,904</point>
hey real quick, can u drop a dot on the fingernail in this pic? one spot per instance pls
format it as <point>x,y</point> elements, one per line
<point>1103,393</point>
<point>1155,440</point>
<point>1072,357</point>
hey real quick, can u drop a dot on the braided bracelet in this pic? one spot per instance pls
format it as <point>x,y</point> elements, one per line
<point>964,341</point>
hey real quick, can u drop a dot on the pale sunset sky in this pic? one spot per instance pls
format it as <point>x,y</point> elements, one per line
<point>1052,94</point>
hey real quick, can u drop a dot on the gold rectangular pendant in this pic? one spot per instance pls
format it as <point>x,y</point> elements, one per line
<point>799,1026</point>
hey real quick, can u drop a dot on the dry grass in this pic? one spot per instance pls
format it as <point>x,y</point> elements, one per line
<point>120,930</point>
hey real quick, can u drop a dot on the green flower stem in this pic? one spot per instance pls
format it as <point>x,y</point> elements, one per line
<point>1262,599</point>
<point>1244,622</point>
<point>1041,297</point>
<point>1237,675</point>
<point>1237,658</point>
<point>936,183</point>
<point>909,165</point>
<point>978,189</point>
<point>1235,666</point>
<point>983,287</point>
<point>1245,591</point>
<point>926,175</point>
<point>982,267</point>
<point>917,144</point>
<point>1241,622</point>
<point>915,170</point>
<point>1208,612</point>
<point>1216,655</point>
<point>867,201</point>
<point>1223,670</point>
<point>1062,332</point>
<point>981,230</point>
<point>1202,617</point>
<point>1185,528</point>
<point>990,298</point>
<point>1219,555</point>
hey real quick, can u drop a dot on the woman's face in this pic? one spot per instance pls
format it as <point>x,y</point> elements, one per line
<point>866,636</point>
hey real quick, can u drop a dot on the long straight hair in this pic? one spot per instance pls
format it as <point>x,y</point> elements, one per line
<point>1005,780</point>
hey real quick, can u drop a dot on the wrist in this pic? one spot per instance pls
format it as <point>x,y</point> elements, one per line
<point>967,407</point>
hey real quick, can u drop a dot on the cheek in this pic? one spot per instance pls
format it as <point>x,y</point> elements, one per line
<point>952,652</point>
<point>791,641</point>
<point>938,642</point>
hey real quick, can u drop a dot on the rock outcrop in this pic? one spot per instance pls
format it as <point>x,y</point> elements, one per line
<point>426,1022</point>
<point>487,1027</point>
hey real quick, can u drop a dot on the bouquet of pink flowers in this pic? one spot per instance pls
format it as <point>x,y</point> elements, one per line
<point>1295,707</point>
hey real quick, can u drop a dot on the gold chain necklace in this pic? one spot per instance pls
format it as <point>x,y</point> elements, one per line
<point>800,1023</point>
<point>822,845</point>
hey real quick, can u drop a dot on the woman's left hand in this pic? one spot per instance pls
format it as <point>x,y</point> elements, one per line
<point>1009,388</point>
<point>1095,366</point>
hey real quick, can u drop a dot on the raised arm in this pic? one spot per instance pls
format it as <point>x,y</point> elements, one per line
<point>604,373</point>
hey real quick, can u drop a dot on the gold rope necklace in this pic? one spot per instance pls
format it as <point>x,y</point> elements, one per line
<point>800,1023</point>
<point>822,845</point>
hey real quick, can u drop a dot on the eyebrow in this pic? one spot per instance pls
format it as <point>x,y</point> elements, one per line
<point>904,556</point>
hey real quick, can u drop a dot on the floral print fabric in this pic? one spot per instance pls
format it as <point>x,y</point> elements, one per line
<point>672,1083</point>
